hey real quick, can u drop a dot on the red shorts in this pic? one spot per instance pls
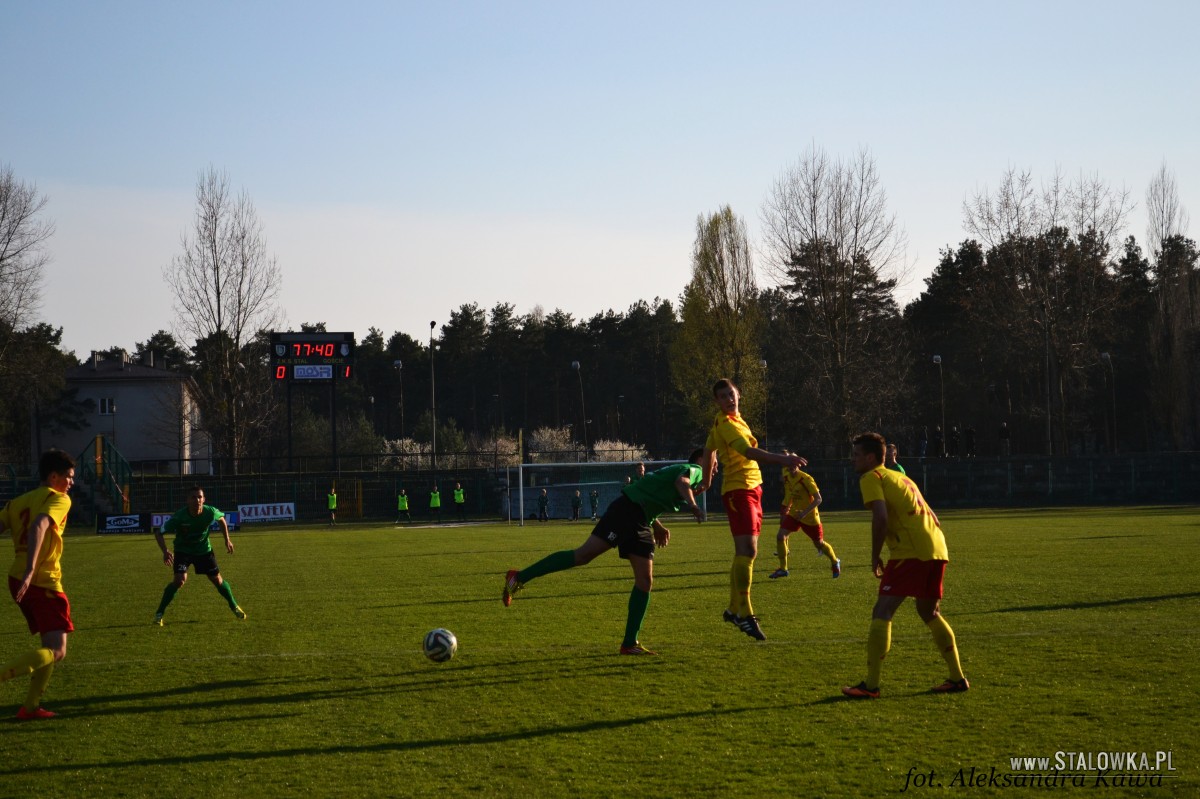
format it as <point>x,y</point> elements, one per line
<point>920,579</point>
<point>743,506</point>
<point>45,611</point>
<point>791,524</point>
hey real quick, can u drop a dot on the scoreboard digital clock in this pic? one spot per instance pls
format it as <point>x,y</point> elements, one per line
<point>312,356</point>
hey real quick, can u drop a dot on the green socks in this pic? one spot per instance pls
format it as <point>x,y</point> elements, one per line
<point>226,590</point>
<point>168,594</point>
<point>639,600</point>
<point>554,562</point>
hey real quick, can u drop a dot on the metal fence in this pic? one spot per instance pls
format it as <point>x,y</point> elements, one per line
<point>370,493</point>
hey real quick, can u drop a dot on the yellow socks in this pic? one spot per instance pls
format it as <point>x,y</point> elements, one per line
<point>740,577</point>
<point>37,685</point>
<point>827,551</point>
<point>943,636</point>
<point>781,550</point>
<point>27,663</point>
<point>879,641</point>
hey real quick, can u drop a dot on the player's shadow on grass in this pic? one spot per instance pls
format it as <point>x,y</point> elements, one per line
<point>1103,603</point>
<point>246,694</point>
<point>420,745</point>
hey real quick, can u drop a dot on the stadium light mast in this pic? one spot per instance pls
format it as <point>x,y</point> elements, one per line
<point>937,359</point>
<point>1112,384</point>
<point>582,409</point>
<point>400,371</point>
<point>767,399</point>
<point>432,404</point>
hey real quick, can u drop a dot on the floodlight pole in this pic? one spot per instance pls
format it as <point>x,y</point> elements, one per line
<point>400,371</point>
<point>582,409</point>
<point>1112,384</point>
<point>937,359</point>
<point>432,404</point>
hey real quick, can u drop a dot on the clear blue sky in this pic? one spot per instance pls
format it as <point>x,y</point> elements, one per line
<point>408,158</point>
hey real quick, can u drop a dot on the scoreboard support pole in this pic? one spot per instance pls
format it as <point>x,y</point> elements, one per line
<point>289,415</point>
<point>333,420</point>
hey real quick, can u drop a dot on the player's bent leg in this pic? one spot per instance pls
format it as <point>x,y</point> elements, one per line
<point>781,552</point>
<point>56,642</point>
<point>590,549</point>
<point>943,638</point>
<point>639,601</point>
<point>27,663</point>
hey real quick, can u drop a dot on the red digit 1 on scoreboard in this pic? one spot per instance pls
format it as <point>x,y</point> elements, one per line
<point>346,371</point>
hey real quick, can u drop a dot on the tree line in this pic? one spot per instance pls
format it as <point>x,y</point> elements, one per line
<point>1048,317</point>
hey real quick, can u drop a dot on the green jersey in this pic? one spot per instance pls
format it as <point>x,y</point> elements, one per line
<point>656,492</point>
<point>333,501</point>
<point>402,502</point>
<point>191,532</point>
<point>435,499</point>
<point>460,496</point>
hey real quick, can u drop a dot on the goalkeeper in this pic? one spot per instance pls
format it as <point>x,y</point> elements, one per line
<point>630,523</point>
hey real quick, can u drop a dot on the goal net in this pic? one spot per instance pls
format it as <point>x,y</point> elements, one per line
<point>561,481</point>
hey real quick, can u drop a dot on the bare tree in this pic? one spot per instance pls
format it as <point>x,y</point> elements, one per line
<point>23,258</point>
<point>1019,210</point>
<point>839,203</point>
<point>1048,278</point>
<point>719,334</point>
<point>225,285</point>
<point>838,254</point>
<point>1167,217</point>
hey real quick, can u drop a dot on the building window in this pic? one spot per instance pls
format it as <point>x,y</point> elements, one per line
<point>108,406</point>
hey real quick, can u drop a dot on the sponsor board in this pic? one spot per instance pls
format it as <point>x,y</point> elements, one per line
<point>268,512</point>
<point>233,519</point>
<point>110,523</point>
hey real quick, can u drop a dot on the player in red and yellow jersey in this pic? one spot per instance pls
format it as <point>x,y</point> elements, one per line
<point>36,521</point>
<point>731,441</point>
<point>915,568</point>
<point>801,498</point>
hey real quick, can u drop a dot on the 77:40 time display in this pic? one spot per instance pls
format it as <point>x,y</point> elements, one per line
<point>312,356</point>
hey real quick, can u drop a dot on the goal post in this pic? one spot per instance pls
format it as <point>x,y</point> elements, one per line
<point>562,480</point>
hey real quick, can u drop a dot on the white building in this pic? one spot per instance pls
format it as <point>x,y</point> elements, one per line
<point>146,411</point>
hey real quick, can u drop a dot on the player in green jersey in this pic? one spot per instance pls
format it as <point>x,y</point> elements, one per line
<point>631,525</point>
<point>192,548</point>
<point>460,502</point>
<point>402,507</point>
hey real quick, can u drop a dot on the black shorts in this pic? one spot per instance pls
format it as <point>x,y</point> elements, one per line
<point>624,526</point>
<point>205,564</point>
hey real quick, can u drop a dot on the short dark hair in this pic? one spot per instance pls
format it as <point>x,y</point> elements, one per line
<point>697,456</point>
<point>724,382</point>
<point>871,444</point>
<point>54,461</point>
<point>196,487</point>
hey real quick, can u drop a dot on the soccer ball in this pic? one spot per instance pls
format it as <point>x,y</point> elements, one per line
<point>440,645</point>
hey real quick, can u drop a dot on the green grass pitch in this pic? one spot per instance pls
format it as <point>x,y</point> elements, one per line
<point>1078,630</point>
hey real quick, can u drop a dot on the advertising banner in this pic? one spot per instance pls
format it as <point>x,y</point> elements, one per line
<point>233,519</point>
<point>268,512</point>
<point>107,524</point>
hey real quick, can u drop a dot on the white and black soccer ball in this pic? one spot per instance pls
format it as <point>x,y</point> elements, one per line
<point>440,645</point>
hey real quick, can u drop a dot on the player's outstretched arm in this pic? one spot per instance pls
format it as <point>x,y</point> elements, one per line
<point>762,456</point>
<point>225,530</point>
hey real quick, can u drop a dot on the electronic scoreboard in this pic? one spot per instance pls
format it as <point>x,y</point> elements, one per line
<point>312,356</point>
